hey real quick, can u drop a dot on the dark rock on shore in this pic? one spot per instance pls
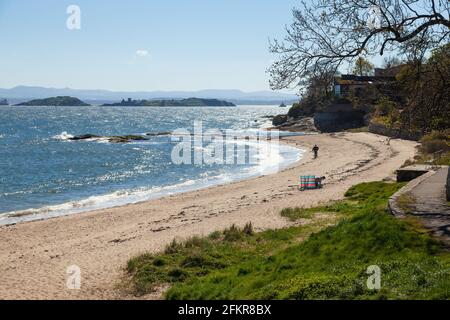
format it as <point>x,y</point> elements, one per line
<point>279,119</point>
<point>112,139</point>
<point>304,124</point>
<point>157,134</point>
<point>330,121</point>
<point>84,137</point>
<point>338,121</point>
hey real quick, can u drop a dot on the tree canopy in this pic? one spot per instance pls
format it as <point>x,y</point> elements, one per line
<point>326,33</point>
<point>363,67</point>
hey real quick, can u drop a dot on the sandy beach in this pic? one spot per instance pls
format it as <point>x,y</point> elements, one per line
<point>34,256</point>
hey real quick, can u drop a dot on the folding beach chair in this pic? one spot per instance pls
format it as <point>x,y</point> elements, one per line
<point>307,183</point>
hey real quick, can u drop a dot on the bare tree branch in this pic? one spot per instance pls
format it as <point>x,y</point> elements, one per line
<point>327,33</point>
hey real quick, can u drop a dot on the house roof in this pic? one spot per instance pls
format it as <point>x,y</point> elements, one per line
<point>350,79</point>
<point>352,82</point>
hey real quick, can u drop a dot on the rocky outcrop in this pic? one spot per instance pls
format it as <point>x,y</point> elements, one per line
<point>112,139</point>
<point>337,116</point>
<point>381,129</point>
<point>279,119</point>
<point>338,121</point>
<point>157,134</point>
<point>305,124</point>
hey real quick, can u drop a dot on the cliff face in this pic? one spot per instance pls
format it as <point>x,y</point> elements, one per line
<point>336,116</point>
<point>337,121</point>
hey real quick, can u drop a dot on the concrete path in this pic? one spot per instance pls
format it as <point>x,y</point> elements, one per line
<point>431,205</point>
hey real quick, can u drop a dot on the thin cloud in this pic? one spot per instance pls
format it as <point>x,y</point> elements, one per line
<point>142,53</point>
<point>139,55</point>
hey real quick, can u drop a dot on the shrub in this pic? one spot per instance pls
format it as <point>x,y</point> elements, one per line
<point>215,235</point>
<point>436,141</point>
<point>305,108</point>
<point>232,233</point>
<point>195,242</point>
<point>248,229</point>
<point>173,247</point>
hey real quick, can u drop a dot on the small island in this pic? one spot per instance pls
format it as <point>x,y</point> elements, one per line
<point>112,139</point>
<point>56,101</point>
<point>3,102</point>
<point>190,102</point>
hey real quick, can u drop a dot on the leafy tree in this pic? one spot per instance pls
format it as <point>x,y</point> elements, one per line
<point>363,67</point>
<point>426,88</point>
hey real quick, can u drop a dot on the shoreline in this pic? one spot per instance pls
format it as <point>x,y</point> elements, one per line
<point>78,207</point>
<point>34,256</point>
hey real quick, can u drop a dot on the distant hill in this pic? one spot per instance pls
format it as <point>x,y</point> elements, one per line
<point>24,93</point>
<point>55,101</point>
<point>190,102</point>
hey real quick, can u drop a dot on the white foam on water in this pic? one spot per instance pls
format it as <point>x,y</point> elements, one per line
<point>63,136</point>
<point>271,158</point>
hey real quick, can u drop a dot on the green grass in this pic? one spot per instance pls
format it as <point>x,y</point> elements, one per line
<point>298,213</point>
<point>312,261</point>
<point>406,202</point>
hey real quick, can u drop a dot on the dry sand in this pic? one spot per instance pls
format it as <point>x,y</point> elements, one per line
<point>34,256</point>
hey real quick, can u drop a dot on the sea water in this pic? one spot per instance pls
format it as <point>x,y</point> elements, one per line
<point>44,174</point>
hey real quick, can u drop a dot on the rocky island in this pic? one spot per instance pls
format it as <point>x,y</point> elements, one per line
<point>56,101</point>
<point>112,139</point>
<point>190,102</point>
<point>3,102</point>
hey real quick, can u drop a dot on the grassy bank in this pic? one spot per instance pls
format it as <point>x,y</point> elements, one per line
<point>434,149</point>
<point>324,258</point>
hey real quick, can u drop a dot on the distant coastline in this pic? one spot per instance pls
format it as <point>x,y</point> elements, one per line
<point>75,102</point>
<point>190,102</point>
<point>20,94</point>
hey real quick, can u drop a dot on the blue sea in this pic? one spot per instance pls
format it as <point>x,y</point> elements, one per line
<point>43,174</point>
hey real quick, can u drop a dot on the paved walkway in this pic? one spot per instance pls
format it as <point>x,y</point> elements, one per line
<point>431,204</point>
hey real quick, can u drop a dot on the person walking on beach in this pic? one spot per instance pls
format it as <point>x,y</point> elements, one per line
<point>315,149</point>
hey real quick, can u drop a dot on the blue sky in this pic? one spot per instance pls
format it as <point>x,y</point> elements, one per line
<point>141,45</point>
